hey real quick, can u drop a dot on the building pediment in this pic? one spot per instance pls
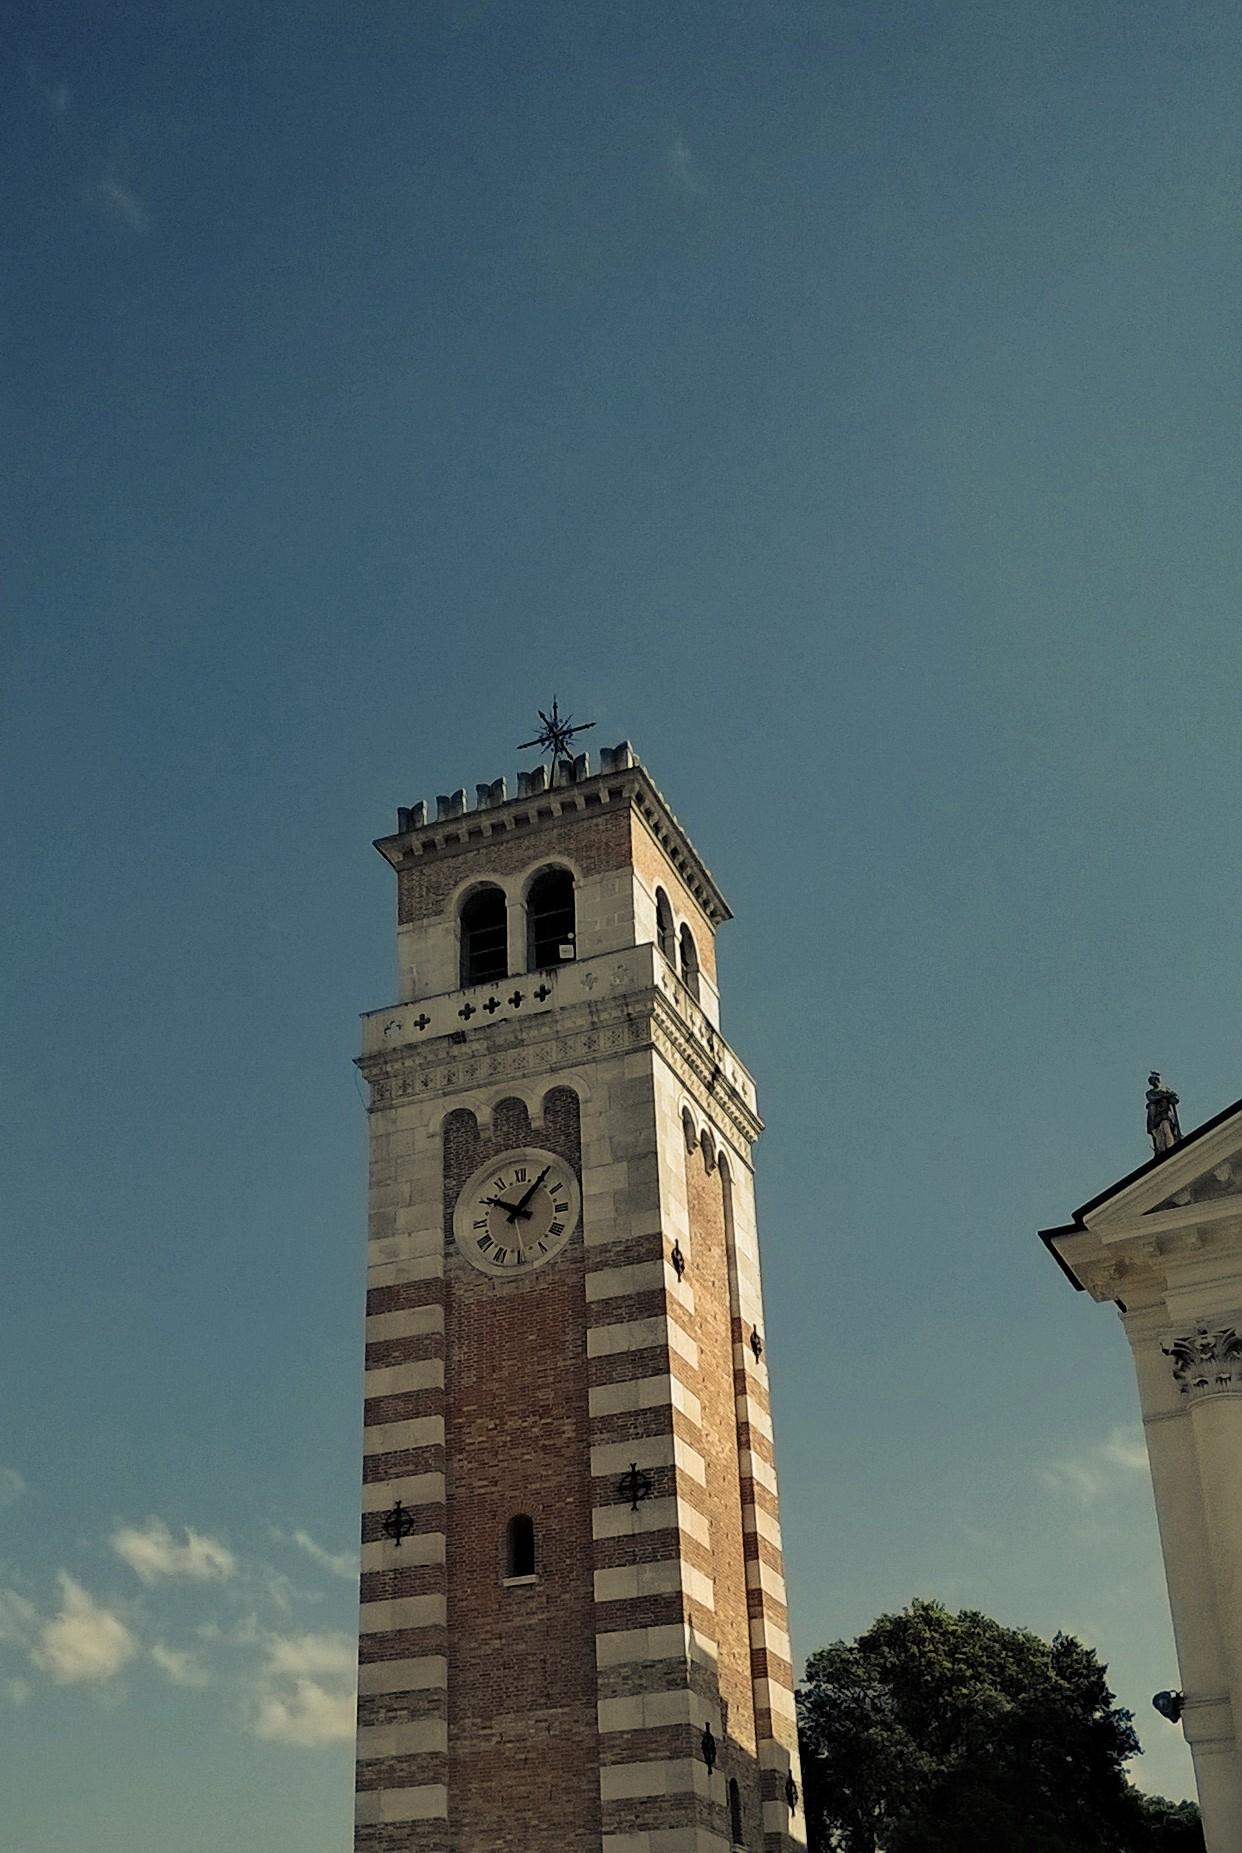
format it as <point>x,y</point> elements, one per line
<point>1198,1180</point>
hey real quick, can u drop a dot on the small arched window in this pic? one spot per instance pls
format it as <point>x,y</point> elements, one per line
<point>666,937</point>
<point>550,924</point>
<point>520,1546</point>
<point>689,963</point>
<point>484,937</point>
<point>735,1813</point>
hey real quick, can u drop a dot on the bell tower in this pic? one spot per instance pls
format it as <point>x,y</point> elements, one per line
<point>573,1633</point>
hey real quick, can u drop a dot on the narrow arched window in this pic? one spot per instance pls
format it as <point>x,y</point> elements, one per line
<point>484,937</point>
<point>520,1546</point>
<point>689,963</point>
<point>550,924</point>
<point>735,1813</point>
<point>666,937</point>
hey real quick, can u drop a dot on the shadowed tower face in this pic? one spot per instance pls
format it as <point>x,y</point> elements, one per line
<point>572,1629</point>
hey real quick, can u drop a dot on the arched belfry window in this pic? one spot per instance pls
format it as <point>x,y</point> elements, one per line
<point>735,1813</point>
<point>689,963</point>
<point>520,1546</point>
<point>484,937</point>
<point>550,923</point>
<point>666,936</point>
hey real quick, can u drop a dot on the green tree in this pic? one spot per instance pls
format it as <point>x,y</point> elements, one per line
<point>935,1732</point>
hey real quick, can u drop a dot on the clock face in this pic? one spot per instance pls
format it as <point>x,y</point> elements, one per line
<point>517,1212</point>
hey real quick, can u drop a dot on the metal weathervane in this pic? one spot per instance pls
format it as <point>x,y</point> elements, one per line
<point>555,736</point>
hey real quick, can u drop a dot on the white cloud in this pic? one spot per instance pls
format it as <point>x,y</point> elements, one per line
<point>17,1617</point>
<point>84,1642</point>
<point>17,1691</point>
<point>181,1667</point>
<point>154,1552</point>
<point>681,165</point>
<point>340,1563</point>
<point>127,205</point>
<point>1099,1470</point>
<point>12,1486</point>
<point>306,1690</point>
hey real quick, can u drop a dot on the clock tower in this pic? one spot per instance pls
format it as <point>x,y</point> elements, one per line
<point>573,1634</point>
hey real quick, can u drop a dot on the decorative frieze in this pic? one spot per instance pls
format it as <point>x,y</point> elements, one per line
<point>1206,1363</point>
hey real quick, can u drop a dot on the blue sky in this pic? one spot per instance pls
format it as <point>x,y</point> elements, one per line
<point>837,400</point>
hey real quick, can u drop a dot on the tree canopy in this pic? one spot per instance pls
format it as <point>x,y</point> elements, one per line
<point>936,1730</point>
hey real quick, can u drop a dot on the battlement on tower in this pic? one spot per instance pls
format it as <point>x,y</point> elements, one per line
<point>547,797</point>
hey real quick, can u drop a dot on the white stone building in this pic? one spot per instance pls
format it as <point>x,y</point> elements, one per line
<point>1165,1245</point>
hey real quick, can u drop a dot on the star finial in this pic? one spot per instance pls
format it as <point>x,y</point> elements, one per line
<point>556,734</point>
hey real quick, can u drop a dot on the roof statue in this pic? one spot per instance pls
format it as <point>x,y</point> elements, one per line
<point>1163,1127</point>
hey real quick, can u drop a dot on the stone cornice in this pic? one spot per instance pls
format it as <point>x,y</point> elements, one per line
<point>569,1037</point>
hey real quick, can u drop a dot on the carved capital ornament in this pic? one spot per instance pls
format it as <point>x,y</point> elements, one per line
<point>1206,1363</point>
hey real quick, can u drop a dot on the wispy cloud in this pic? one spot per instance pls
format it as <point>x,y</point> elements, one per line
<point>12,1486</point>
<point>681,166</point>
<point>1098,1471</point>
<point>153,1552</point>
<point>179,1666</point>
<point>340,1563</point>
<point>305,1692</point>
<point>85,1642</point>
<point>17,1691</point>
<point>126,205</point>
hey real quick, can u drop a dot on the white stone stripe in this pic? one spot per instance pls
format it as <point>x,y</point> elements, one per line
<point>412,1489</point>
<point>423,1547</point>
<point>395,1612</point>
<point>774,1754</point>
<point>618,1521</point>
<point>646,1710</point>
<point>760,1575</point>
<point>400,1273</point>
<point>676,1640</point>
<point>756,1468</point>
<point>413,1737</point>
<point>779,1819</point>
<point>404,1379</point>
<point>771,1696</point>
<point>754,1518</point>
<point>661,1776</point>
<point>641,1335</point>
<point>756,1370</point>
<point>665,1840</point>
<point>427,1802</point>
<point>754,1415</point>
<point>424,1431</point>
<point>410,1322</point>
<point>415,1673</point>
<point>628,1582</point>
<point>614,1457</point>
<point>644,1393</point>
<point>768,1638</point>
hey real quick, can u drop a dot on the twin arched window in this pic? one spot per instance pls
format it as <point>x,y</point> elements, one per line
<point>550,922</point>
<point>678,948</point>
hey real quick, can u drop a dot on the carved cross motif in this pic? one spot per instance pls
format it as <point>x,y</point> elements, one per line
<point>466,1012</point>
<point>543,992</point>
<point>492,1006</point>
<point>1205,1362</point>
<point>516,1000</point>
<point>422,1020</point>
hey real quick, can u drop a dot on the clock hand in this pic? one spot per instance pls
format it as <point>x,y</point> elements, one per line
<point>525,1199</point>
<point>514,1210</point>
